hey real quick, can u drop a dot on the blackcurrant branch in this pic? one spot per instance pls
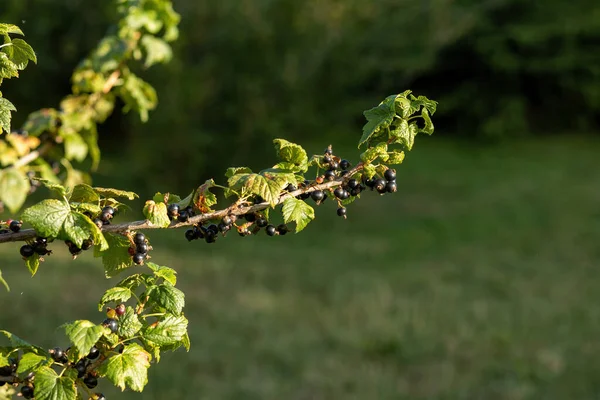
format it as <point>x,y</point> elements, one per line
<point>234,209</point>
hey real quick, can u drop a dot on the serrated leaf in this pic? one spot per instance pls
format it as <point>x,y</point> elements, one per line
<point>168,274</point>
<point>132,282</point>
<point>8,69</point>
<point>22,53</point>
<point>40,121</point>
<point>5,113</point>
<point>105,192</point>
<point>138,95</point>
<point>14,187</point>
<point>267,185</point>
<point>369,170</point>
<point>47,217</point>
<point>204,199</point>
<point>186,341</point>
<point>130,368</point>
<point>16,341</point>
<point>168,198</point>
<point>129,324</point>
<point>33,263</point>
<point>55,187</point>
<point>157,50</point>
<point>378,118</point>
<point>297,211</point>
<point>168,331</point>
<point>3,282</point>
<point>372,153</point>
<point>10,28</point>
<point>84,335</point>
<point>404,134</point>
<point>83,193</point>
<point>428,128</point>
<point>168,297</point>
<point>50,386</point>
<point>156,213</point>
<point>291,153</point>
<point>116,257</point>
<point>30,361</point>
<point>116,294</point>
<point>152,348</point>
<point>395,157</point>
<point>231,171</point>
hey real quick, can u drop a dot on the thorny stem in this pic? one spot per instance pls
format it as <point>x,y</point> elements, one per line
<point>234,209</point>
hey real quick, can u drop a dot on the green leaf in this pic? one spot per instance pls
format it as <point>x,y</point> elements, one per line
<point>116,257</point>
<point>372,153</point>
<point>22,53</point>
<point>104,192</point>
<point>168,274</point>
<point>16,341</point>
<point>291,153</point>
<point>84,335</point>
<point>157,50</point>
<point>47,217</point>
<point>3,281</point>
<point>132,282</point>
<point>50,386</point>
<point>298,211</point>
<point>404,134</point>
<point>156,214</point>
<point>138,95</point>
<point>423,101</point>
<point>33,263</point>
<point>90,136</point>
<point>168,297</point>
<point>83,193</point>
<point>5,113</point>
<point>395,157</point>
<point>55,187</point>
<point>129,324</point>
<point>14,187</point>
<point>10,28</point>
<point>31,361</point>
<point>168,331</point>
<point>378,118</point>
<point>77,228</point>
<point>116,294</point>
<point>204,199</point>
<point>8,69</point>
<point>369,170</point>
<point>40,121</point>
<point>186,341</point>
<point>169,198</point>
<point>267,185</point>
<point>130,368</point>
<point>428,129</point>
<point>231,171</point>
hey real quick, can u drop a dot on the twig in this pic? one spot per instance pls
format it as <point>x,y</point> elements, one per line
<point>233,209</point>
<point>26,159</point>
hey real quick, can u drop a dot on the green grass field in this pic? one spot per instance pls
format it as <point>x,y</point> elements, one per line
<point>480,279</point>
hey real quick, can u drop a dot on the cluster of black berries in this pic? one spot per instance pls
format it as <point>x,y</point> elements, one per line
<point>10,370</point>
<point>12,226</point>
<point>75,250</point>
<point>210,232</point>
<point>82,367</point>
<point>105,216</point>
<point>139,250</point>
<point>39,246</point>
<point>175,213</point>
<point>387,184</point>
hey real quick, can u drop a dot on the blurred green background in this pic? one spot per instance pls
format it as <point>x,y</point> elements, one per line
<point>478,280</point>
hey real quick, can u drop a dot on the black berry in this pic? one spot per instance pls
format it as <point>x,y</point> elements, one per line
<point>339,192</point>
<point>57,354</point>
<point>190,235</point>
<point>329,175</point>
<point>380,185</point>
<point>291,188</point>
<point>173,210</point>
<point>109,210</point>
<point>271,230</point>
<point>328,151</point>
<point>74,250</point>
<point>41,241</point>
<point>111,324</point>
<point>183,216</point>
<point>81,368</point>
<point>139,238</point>
<point>210,237</point>
<point>213,228</point>
<point>391,187</point>
<point>99,396</point>
<point>227,220</point>
<point>250,217</point>
<point>334,165</point>
<point>86,244</point>
<point>138,258</point>
<point>141,248</point>
<point>27,250</point>
<point>341,211</point>
<point>326,159</point>
<point>15,226</point>
<point>355,191</point>
<point>282,229</point>
<point>190,211</point>
<point>370,182</point>
<point>27,392</point>
<point>261,222</point>
<point>352,183</point>
<point>304,196</point>
<point>317,195</point>
<point>90,381</point>
<point>389,174</point>
<point>344,164</point>
<point>223,227</point>
<point>93,354</point>
<point>98,222</point>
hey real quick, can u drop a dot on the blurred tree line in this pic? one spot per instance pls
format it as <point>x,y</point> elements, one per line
<point>246,71</point>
